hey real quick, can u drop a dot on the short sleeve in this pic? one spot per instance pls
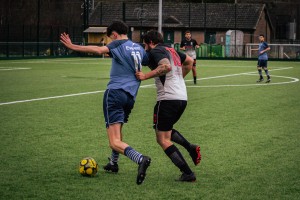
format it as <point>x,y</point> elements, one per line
<point>182,56</point>
<point>182,44</point>
<point>195,42</point>
<point>111,46</point>
<point>145,60</point>
<point>158,55</point>
<point>266,45</point>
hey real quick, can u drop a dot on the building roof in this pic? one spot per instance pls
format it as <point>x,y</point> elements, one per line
<point>218,15</point>
<point>95,30</point>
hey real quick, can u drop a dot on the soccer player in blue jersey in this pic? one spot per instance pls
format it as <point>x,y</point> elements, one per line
<point>262,59</point>
<point>119,98</point>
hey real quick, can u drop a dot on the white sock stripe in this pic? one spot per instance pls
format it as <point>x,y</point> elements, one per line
<point>134,155</point>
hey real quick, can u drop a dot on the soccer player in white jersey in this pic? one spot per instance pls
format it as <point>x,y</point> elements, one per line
<point>169,69</point>
<point>119,98</point>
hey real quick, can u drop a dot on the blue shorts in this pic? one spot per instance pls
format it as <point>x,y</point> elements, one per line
<point>262,63</point>
<point>117,105</point>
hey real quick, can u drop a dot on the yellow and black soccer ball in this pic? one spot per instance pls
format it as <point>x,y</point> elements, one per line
<point>88,167</point>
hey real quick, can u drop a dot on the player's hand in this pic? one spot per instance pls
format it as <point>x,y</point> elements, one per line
<point>140,75</point>
<point>261,52</point>
<point>65,39</point>
<point>183,48</point>
<point>197,46</point>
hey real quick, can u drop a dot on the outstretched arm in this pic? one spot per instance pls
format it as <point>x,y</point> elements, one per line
<point>65,39</point>
<point>163,68</point>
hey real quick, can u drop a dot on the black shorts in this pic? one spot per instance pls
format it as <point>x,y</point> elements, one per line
<point>167,113</point>
<point>262,63</point>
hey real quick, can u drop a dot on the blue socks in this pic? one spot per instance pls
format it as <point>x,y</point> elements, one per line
<point>114,157</point>
<point>133,154</point>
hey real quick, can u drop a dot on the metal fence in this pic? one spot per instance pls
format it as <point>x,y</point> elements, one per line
<point>36,38</point>
<point>56,49</point>
<point>21,41</point>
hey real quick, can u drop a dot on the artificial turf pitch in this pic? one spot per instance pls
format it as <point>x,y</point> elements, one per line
<point>51,117</point>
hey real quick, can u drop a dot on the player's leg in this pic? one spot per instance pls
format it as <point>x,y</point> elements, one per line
<point>112,165</point>
<point>164,140</point>
<point>265,67</point>
<point>259,72</point>
<point>194,71</point>
<point>193,149</point>
<point>116,143</point>
<point>115,138</point>
<point>117,106</point>
<point>165,115</point>
<point>113,160</point>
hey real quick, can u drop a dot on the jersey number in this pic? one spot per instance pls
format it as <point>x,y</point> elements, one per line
<point>137,60</point>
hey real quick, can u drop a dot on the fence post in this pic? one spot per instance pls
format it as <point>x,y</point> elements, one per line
<point>235,18</point>
<point>38,29</point>
<point>7,41</point>
<point>23,41</point>
<point>51,40</point>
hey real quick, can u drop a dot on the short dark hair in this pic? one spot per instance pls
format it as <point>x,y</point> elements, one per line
<point>187,31</point>
<point>117,26</point>
<point>262,35</point>
<point>153,36</point>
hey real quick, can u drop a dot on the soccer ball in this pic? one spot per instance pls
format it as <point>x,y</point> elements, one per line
<point>88,167</point>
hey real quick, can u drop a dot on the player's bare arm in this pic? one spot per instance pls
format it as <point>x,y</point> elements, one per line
<point>187,65</point>
<point>163,68</point>
<point>65,39</point>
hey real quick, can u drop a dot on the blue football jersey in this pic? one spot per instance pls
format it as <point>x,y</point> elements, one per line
<point>127,58</point>
<point>262,46</point>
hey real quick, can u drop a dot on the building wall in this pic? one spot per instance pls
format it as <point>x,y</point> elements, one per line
<point>221,37</point>
<point>262,28</point>
<point>135,35</point>
<point>198,36</point>
<point>97,37</point>
<point>248,37</point>
<point>177,36</point>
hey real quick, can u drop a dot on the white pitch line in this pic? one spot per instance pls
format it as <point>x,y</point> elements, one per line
<point>15,68</point>
<point>62,96</point>
<point>144,86</point>
<point>254,84</point>
<point>54,97</point>
<point>47,61</point>
<point>224,76</point>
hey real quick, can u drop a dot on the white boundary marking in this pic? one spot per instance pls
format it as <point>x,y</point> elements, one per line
<point>150,85</point>
<point>244,85</point>
<point>46,61</point>
<point>12,68</point>
<point>256,84</point>
<point>54,97</point>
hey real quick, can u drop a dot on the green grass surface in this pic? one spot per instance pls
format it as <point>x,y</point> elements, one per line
<point>249,134</point>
